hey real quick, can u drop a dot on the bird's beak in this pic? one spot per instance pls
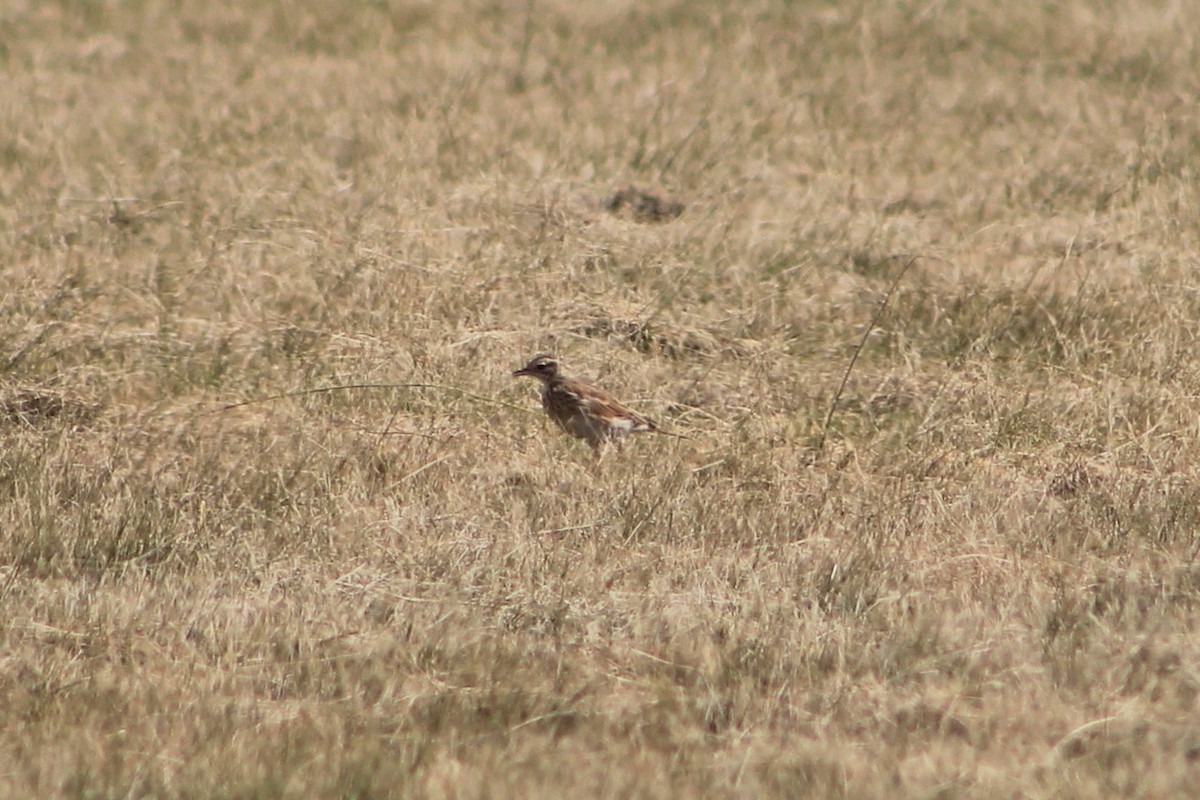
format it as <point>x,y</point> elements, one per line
<point>522,371</point>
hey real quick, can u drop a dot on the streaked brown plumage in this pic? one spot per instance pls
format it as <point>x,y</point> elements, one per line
<point>582,409</point>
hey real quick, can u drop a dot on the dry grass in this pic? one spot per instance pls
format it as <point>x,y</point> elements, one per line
<point>985,585</point>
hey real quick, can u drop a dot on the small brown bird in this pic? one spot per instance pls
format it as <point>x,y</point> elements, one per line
<point>581,409</point>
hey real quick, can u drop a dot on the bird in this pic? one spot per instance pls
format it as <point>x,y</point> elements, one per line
<point>583,409</point>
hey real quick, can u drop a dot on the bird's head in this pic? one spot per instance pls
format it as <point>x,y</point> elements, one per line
<point>543,366</point>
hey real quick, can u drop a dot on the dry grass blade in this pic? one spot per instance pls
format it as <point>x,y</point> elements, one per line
<point>837,395</point>
<point>350,387</point>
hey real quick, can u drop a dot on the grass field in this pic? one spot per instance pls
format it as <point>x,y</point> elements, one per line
<point>980,582</point>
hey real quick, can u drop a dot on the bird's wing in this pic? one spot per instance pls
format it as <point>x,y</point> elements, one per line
<point>601,404</point>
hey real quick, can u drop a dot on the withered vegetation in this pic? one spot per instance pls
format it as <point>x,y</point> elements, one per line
<point>984,584</point>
